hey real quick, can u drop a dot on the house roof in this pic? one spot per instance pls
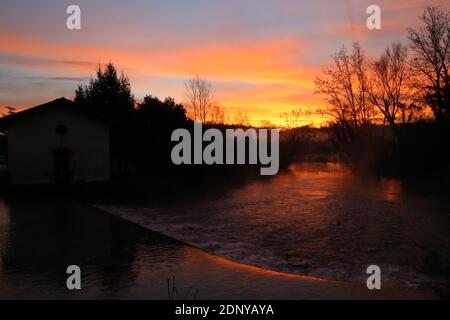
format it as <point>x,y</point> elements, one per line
<point>60,103</point>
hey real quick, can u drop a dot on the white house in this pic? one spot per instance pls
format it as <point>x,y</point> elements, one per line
<point>56,142</point>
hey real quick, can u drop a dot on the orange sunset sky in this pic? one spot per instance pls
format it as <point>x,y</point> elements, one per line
<point>261,56</point>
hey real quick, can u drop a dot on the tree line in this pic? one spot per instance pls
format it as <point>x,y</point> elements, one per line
<point>406,88</point>
<point>140,133</point>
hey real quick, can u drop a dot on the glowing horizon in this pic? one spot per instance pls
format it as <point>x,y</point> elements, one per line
<point>261,56</point>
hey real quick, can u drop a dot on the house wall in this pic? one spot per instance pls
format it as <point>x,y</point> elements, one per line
<point>32,139</point>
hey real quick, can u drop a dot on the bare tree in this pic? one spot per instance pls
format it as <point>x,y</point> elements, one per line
<point>200,98</point>
<point>241,119</point>
<point>217,115</point>
<point>345,84</point>
<point>266,124</point>
<point>390,89</point>
<point>291,119</point>
<point>298,116</point>
<point>430,44</point>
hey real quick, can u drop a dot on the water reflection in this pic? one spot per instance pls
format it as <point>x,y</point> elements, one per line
<point>120,260</point>
<point>315,219</point>
<point>319,220</point>
<point>391,189</point>
<point>39,240</point>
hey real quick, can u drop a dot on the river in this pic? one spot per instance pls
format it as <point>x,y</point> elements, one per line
<point>314,219</point>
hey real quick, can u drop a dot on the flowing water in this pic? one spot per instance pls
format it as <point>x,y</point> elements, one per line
<point>316,219</point>
<point>313,219</point>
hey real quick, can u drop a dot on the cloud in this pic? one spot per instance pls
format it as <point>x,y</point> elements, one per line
<point>12,59</point>
<point>261,55</point>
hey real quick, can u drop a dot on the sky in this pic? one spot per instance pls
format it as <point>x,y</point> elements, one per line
<point>261,56</point>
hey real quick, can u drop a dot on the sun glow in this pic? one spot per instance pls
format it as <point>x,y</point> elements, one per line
<point>261,65</point>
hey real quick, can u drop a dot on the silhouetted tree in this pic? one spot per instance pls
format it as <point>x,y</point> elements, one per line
<point>345,85</point>
<point>294,128</point>
<point>155,121</point>
<point>430,44</point>
<point>241,119</point>
<point>266,124</point>
<point>217,115</point>
<point>390,87</point>
<point>156,113</point>
<point>109,95</point>
<point>200,98</point>
<point>291,121</point>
